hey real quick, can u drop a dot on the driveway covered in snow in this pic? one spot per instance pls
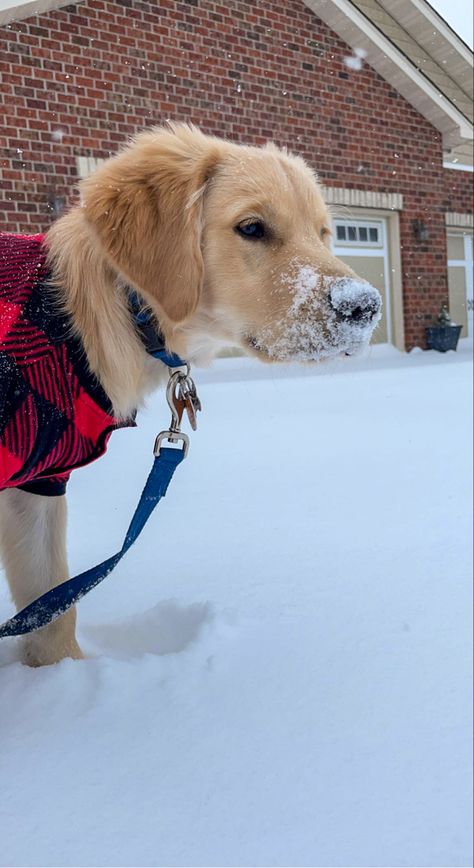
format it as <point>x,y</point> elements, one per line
<point>279,670</point>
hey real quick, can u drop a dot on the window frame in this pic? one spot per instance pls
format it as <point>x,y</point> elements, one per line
<point>360,223</point>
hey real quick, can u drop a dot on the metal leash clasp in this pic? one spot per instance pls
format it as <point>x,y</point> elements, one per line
<point>181,395</point>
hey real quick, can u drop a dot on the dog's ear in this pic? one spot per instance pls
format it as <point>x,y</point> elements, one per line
<point>145,207</point>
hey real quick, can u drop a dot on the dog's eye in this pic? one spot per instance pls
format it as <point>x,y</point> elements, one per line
<point>253,230</point>
<point>324,233</point>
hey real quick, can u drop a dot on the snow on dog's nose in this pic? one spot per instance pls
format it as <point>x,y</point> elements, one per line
<point>355,301</point>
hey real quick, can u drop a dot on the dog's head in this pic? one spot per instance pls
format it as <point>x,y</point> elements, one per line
<point>229,244</point>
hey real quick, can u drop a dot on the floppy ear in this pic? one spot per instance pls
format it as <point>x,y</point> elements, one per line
<point>146,209</point>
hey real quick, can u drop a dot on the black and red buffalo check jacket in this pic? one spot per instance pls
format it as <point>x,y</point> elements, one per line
<point>54,415</point>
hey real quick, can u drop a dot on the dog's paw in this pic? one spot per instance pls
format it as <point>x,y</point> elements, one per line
<point>39,650</point>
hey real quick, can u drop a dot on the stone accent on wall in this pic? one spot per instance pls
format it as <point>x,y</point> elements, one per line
<point>464,221</point>
<point>363,198</point>
<point>86,165</point>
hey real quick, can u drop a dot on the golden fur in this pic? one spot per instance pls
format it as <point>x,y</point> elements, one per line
<point>160,216</point>
<point>163,216</point>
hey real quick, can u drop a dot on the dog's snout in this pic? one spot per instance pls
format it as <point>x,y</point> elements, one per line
<point>355,301</point>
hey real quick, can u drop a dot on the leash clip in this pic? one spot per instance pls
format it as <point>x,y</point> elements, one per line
<point>181,395</point>
<point>171,437</point>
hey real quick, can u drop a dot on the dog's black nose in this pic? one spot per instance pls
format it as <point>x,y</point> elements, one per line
<point>355,301</point>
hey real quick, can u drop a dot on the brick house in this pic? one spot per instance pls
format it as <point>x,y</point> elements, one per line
<point>376,94</point>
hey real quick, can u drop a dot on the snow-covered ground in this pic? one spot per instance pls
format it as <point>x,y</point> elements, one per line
<point>279,671</point>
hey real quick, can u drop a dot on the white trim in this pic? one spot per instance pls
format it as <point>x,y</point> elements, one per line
<point>343,250</point>
<point>16,10</point>
<point>363,198</point>
<point>468,250</point>
<point>388,282</point>
<point>460,166</point>
<point>357,224</point>
<point>356,29</point>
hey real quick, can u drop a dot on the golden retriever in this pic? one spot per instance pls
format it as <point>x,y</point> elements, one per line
<point>226,244</point>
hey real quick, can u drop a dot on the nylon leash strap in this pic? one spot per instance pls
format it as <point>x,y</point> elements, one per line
<point>181,395</point>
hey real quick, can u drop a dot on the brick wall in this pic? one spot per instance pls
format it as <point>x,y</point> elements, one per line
<point>79,80</point>
<point>458,191</point>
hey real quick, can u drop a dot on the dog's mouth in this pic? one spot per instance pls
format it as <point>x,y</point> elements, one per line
<point>253,344</point>
<point>320,351</point>
<point>321,331</point>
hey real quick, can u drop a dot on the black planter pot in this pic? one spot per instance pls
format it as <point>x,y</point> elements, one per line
<point>443,337</point>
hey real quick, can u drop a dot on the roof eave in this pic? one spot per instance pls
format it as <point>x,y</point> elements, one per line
<point>16,10</point>
<point>355,29</point>
<point>436,37</point>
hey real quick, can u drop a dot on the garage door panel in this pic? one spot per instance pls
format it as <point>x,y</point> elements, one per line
<point>460,279</point>
<point>456,246</point>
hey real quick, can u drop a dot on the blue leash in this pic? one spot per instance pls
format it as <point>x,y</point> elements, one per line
<point>181,395</point>
<point>58,600</point>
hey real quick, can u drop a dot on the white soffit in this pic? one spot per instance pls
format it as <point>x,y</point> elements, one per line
<point>461,157</point>
<point>418,18</point>
<point>16,10</point>
<point>355,29</point>
<point>363,198</point>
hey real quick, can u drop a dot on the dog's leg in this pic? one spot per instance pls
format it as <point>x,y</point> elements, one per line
<point>33,547</point>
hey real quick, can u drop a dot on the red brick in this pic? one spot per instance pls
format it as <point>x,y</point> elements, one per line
<point>294,87</point>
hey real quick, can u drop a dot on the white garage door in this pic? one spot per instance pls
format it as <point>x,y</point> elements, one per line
<point>363,244</point>
<point>460,280</point>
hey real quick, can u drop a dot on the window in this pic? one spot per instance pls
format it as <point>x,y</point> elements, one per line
<point>358,233</point>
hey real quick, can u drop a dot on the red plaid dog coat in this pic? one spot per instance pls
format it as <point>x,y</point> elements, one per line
<point>54,415</point>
